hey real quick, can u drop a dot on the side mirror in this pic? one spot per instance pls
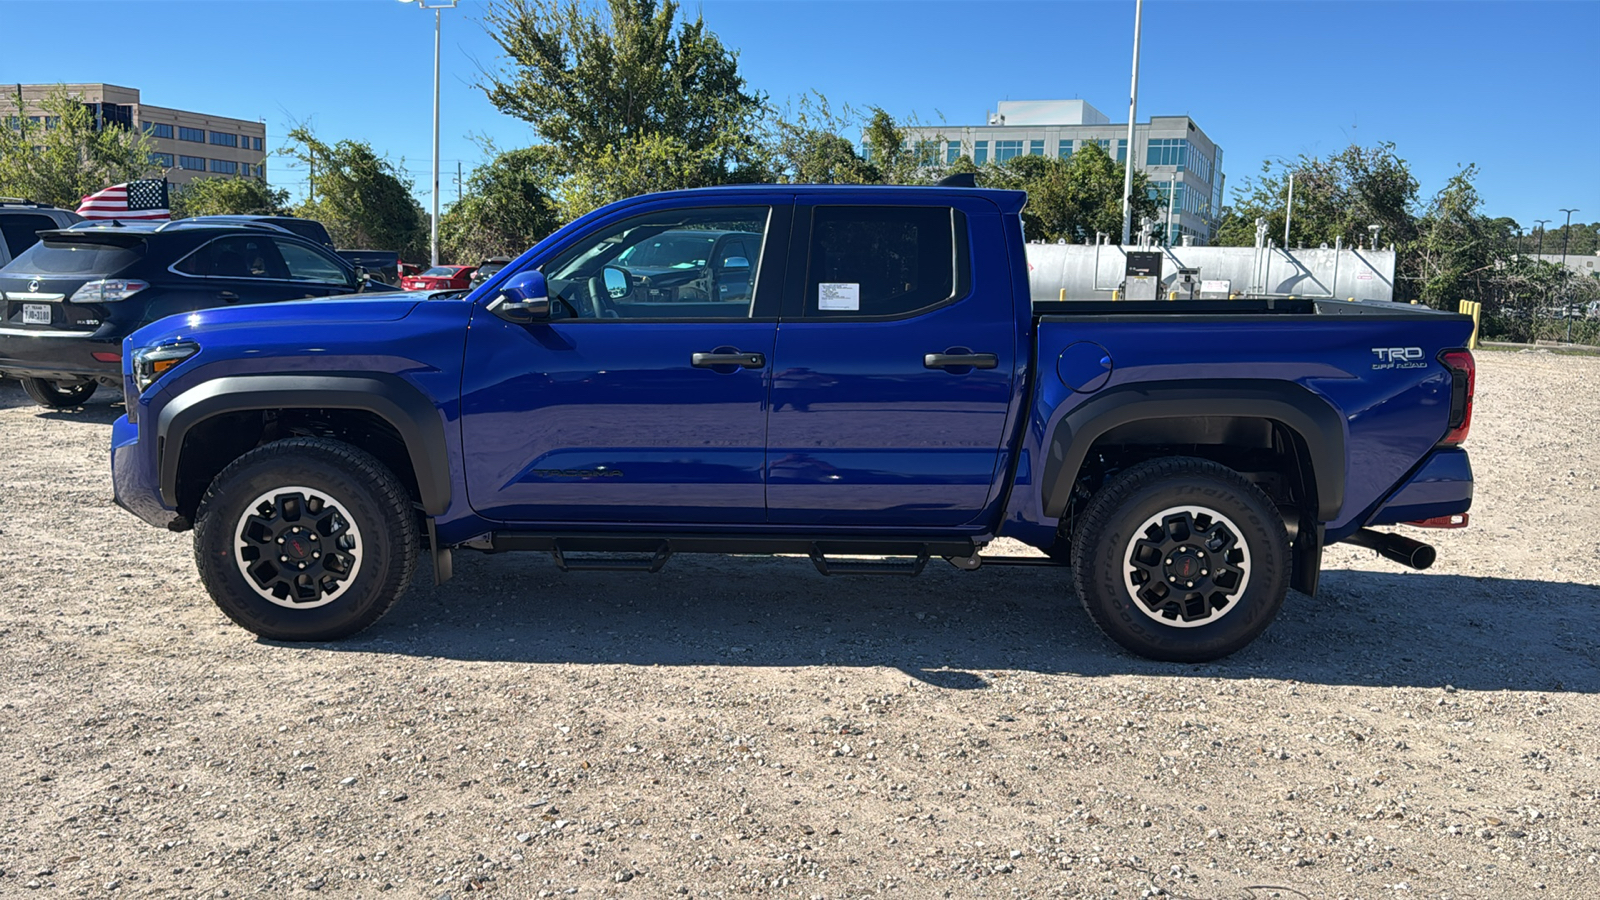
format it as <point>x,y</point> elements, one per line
<point>362,278</point>
<point>618,283</point>
<point>523,300</point>
<point>736,262</point>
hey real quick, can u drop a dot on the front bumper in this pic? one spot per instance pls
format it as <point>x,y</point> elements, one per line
<point>133,478</point>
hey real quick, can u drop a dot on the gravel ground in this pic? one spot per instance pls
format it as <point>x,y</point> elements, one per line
<point>736,727</point>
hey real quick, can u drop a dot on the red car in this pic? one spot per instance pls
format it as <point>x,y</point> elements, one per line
<point>439,278</point>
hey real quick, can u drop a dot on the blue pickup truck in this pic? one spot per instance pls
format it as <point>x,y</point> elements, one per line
<point>885,395</point>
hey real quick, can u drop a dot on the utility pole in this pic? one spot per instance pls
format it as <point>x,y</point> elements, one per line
<point>1538,254</point>
<point>1566,294</point>
<point>1133,116</point>
<point>1288,213</point>
<point>458,181</point>
<point>311,180</point>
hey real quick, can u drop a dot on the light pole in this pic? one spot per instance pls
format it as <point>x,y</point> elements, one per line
<point>1133,116</point>
<point>1539,254</point>
<point>1566,232</point>
<point>434,224</point>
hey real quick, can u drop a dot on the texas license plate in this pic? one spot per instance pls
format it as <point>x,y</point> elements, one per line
<point>36,314</point>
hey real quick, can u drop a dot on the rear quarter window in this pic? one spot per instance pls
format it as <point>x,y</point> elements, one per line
<point>69,258</point>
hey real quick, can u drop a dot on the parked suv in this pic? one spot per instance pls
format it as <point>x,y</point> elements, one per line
<point>22,220</point>
<point>69,300</point>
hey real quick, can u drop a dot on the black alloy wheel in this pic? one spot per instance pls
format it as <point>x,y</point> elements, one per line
<point>1181,559</point>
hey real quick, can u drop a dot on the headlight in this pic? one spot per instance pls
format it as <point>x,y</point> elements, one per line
<point>151,363</point>
<point>108,290</point>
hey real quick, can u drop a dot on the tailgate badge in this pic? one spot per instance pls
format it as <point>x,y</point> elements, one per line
<point>33,286</point>
<point>1399,358</point>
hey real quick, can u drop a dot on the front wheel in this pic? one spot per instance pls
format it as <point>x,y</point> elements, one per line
<point>53,395</point>
<point>305,539</point>
<point>1181,560</point>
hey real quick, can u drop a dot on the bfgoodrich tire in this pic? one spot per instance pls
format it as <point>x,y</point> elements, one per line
<point>305,539</point>
<point>52,395</point>
<point>1181,560</point>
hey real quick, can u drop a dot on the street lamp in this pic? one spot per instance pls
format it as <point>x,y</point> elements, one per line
<point>423,4</point>
<point>1539,254</point>
<point>1566,232</point>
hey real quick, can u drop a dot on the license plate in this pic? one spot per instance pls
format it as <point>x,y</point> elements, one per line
<point>36,314</point>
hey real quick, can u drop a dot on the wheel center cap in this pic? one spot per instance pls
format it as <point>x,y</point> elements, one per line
<point>296,547</point>
<point>1185,566</point>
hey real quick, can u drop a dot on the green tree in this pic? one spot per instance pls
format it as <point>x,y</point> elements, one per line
<point>806,146</point>
<point>227,196</point>
<point>1072,199</point>
<point>364,200</point>
<point>505,209</point>
<point>1457,247</point>
<point>631,98</point>
<point>1339,196</point>
<point>64,158</point>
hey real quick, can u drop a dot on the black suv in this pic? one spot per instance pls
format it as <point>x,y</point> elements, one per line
<point>22,220</point>
<point>69,300</point>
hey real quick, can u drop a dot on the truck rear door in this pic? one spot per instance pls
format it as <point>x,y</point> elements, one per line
<point>894,365</point>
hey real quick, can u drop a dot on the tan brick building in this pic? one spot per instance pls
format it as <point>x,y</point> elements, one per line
<point>187,145</point>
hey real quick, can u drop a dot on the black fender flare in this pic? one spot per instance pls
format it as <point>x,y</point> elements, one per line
<point>389,396</point>
<point>1317,422</point>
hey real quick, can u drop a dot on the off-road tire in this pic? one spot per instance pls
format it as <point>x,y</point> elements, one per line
<point>364,494</point>
<point>1115,527</point>
<point>52,395</point>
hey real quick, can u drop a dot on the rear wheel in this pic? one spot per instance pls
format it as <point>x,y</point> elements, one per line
<point>306,539</point>
<point>1182,560</point>
<point>55,395</point>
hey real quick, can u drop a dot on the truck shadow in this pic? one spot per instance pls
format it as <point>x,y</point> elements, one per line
<point>955,629</point>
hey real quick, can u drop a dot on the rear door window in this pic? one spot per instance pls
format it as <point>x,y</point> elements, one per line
<point>73,258</point>
<point>239,256</point>
<point>874,261</point>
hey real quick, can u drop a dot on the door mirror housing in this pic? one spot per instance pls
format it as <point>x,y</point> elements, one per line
<point>736,262</point>
<point>523,300</point>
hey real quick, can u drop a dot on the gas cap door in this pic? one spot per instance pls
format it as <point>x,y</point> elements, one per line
<point>1084,366</point>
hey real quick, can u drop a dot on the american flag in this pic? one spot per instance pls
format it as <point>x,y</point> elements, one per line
<point>146,199</point>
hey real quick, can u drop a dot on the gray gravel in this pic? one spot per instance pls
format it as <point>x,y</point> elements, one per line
<point>740,726</point>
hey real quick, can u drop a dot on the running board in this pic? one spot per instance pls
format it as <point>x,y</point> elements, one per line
<point>651,564</point>
<point>908,567</point>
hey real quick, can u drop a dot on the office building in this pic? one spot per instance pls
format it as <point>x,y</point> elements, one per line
<point>1183,164</point>
<point>186,145</point>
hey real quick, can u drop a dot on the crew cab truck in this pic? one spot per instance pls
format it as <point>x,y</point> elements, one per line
<point>886,390</point>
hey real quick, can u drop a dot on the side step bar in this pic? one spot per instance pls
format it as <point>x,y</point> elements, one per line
<point>868,566</point>
<point>651,564</point>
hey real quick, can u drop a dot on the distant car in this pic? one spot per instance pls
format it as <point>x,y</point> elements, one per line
<point>439,278</point>
<point>22,220</point>
<point>488,268</point>
<point>87,287</point>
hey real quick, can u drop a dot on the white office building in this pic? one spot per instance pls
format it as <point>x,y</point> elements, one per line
<point>1183,164</point>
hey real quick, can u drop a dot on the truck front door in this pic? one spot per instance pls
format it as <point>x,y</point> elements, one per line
<point>894,368</point>
<point>634,403</point>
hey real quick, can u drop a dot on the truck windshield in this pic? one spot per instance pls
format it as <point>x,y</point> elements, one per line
<point>54,257</point>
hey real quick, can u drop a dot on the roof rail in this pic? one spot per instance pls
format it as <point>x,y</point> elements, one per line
<point>190,223</point>
<point>18,201</point>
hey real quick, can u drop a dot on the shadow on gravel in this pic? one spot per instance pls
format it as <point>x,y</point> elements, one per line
<point>955,629</point>
<point>101,409</point>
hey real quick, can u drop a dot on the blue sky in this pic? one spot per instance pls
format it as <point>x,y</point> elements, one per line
<point>1510,86</point>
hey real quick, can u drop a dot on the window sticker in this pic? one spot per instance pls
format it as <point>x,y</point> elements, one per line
<point>839,295</point>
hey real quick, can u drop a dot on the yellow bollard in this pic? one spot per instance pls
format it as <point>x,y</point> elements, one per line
<point>1474,309</point>
<point>1063,293</point>
<point>1114,296</point>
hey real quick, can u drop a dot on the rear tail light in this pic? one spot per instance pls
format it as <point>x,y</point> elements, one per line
<point>1463,382</point>
<point>106,357</point>
<point>108,290</point>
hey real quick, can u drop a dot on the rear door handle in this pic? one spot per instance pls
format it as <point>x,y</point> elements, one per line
<point>743,360</point>
<point>228,297</point>
<point>960,360</point>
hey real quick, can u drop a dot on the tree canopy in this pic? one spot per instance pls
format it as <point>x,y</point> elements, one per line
<point>505,207</point>
<point>227,196</point>
<point>64,158</point>
<point>364,199</point>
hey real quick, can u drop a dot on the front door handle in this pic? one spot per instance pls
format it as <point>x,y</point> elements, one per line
<point>743,360</point>
<point>228,297</point>
<point>960,360</point>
